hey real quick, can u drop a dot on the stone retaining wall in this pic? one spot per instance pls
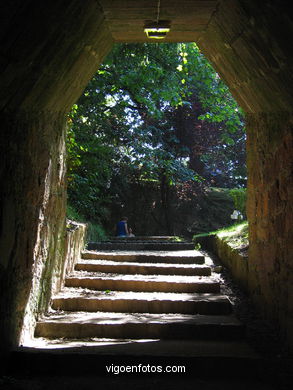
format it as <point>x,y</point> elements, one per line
<point>242,270</point>
<point>236,263</point>
<point>74,244</point>
<point>49,278</point>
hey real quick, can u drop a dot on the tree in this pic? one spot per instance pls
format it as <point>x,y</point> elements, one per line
<point>166,118</point>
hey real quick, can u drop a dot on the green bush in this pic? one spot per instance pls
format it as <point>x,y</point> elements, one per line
<point>72,214</point>
<point>94,231</point>
<point>239,196</point>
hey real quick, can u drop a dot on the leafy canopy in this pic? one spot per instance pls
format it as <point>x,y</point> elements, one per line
<point>151,112</point>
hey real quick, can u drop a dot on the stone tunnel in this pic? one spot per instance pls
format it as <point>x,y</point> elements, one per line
<point>49,52</point>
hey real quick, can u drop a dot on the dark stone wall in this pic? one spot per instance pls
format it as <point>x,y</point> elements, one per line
<point>270,212</point>
<point>249,44</point>
<point>48,54</point>
<point>32,211</point>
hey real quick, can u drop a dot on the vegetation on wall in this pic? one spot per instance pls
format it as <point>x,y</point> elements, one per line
<point>94,231</point>
<point>239,196</point>
<point>235,236</point>
<point>153,113</point>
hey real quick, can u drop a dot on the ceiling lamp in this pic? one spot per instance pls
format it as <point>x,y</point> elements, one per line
<point>159,28</point>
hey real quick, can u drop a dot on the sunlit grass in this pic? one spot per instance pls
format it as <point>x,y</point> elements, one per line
<point>235,235</point>
<point>235,229</point>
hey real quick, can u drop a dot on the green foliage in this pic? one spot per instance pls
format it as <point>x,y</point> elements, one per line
<point>239,196</point>
<point>213,209</point>
<point>89,171</point>
<point>176,239</point>
<point>94,231</point>
<point>72,214</point>
<point>152,112</point>
<point>197,246</point>
<point>214,95</point>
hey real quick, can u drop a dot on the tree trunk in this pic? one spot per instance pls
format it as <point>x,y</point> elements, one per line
<point>165,201</point>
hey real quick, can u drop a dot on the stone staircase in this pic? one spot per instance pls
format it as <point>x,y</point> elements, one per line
<point>158,243</point>
<point>147,305</point>
<point>141,295</point>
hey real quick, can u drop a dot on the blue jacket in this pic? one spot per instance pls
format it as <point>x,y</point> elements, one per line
<point>121,228</point>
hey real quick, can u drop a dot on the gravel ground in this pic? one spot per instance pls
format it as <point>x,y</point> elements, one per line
<point>262,335</point>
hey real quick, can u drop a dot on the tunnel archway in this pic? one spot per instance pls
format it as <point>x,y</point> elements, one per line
<point>49,52</point>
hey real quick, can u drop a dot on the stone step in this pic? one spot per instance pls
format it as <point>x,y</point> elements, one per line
<point>146,238</point>
<point>147,283</point>
<point>135,245</point>
<point>142,268</point>
<point>139,325</point>
<point>141,302</point>
<point>180,257</point>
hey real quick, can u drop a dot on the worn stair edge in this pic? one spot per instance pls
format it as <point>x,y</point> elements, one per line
<point>170,330</point>
<point>144,268</point>
<point>146,238</point>
<point>141,285</point>
<point>199,305</point>
<point>134,246</point>
<point>137,325</point>
<point>142,347</point>
<point>145,318</point>
<point>146,258</point>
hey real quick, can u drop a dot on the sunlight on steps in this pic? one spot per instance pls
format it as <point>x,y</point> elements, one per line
<point>157,302</point>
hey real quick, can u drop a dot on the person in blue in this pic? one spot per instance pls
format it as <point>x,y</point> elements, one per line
<point>122,228</point>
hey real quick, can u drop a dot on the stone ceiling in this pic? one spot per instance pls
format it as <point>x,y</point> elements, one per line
<point>126,19</point>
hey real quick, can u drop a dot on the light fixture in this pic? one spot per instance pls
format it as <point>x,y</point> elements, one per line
<point>159,28</point>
